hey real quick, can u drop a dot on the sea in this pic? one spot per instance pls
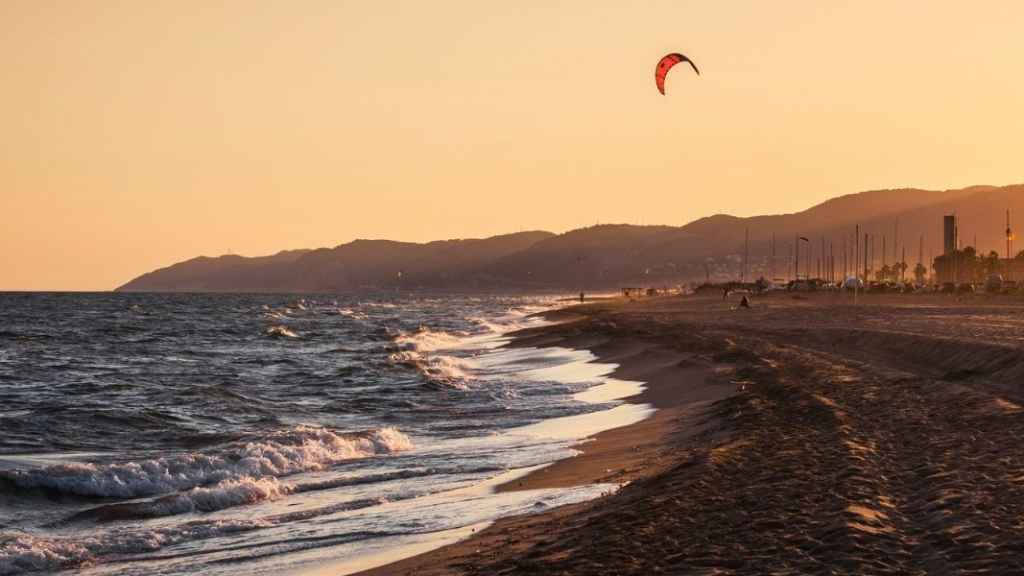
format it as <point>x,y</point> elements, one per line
<point>278,434</point>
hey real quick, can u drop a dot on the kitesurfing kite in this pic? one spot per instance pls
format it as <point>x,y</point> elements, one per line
<point>666,64</point>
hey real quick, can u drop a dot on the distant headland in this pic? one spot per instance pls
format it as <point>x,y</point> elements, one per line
<point>611,255</point>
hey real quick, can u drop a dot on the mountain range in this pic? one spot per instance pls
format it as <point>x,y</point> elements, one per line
<point>908,222</point>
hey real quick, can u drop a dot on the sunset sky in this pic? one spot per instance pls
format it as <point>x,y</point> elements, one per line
<point>138,134</point>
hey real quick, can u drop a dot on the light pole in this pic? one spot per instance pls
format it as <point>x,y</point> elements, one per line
<point>856,262</point>
<point>798,240</point>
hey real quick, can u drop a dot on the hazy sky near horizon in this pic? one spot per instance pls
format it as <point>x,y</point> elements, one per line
<point>138,134</point>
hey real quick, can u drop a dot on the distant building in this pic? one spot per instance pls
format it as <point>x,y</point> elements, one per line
<point>949,234</point>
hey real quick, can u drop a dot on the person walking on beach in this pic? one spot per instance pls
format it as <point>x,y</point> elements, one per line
<point>581,297</point>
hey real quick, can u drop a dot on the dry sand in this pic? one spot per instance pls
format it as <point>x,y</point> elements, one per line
<point>804,436</point>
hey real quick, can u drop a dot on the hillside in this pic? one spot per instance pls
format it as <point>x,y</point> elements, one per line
<point>609,256</point>
<point>356,265</point>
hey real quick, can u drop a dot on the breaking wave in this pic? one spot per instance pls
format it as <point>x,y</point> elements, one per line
<point>427,340</point>
<point>419,352</point>
<point>280,332</point>
<point>514,319</point>
<point>354,314</point>
<point>448,371</point>
<point>301,449</point>
<point>226,494</point>
<point>235,492</point>
<point>21,553</point>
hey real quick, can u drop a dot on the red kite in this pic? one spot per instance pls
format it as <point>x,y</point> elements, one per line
<point>666,64</point>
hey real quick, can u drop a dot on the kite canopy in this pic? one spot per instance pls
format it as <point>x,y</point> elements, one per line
<point>666,64</point>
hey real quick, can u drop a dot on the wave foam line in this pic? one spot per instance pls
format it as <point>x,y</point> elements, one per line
<point>231,493</point>
<point>427,340</point>
<point>301,449</point>
<point>446,370</point>
<point>21,553</point>
<point>280,332</point>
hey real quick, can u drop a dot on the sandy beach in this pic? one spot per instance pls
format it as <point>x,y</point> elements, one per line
<point>805,435</point>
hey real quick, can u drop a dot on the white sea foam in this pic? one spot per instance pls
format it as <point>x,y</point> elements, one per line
<point>30,554</point>
<point>241,492</point>
<point>21,553</point>
<point>225,494</point>
<point>420,351</point>
<point>281,332</point>
<point>354,314</point>
<point>513,319</point>
<point>301,449</point>
<point>426,340</point>
<point>447,370</point>
<point>498,325</point>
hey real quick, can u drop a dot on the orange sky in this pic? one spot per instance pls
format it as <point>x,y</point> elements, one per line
<point>138,134</point>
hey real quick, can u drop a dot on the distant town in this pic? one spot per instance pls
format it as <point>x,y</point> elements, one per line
<point>877,263</point>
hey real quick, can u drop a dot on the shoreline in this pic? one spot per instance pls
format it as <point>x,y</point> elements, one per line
<point>882,438</point>
<point>679,386</point>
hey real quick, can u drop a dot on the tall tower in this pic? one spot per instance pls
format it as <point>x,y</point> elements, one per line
<point>949,234</point>
<point>1009,237</point>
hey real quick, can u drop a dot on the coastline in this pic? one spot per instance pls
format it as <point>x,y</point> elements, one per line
<point>881,438</point>
<point>680,386</point>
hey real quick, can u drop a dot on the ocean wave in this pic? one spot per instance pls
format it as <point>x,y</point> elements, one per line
<point>280,332</point>
<point>354,314</point>
<point>21,553</point>
<point>244,491</point>
<point>448,371</point>
<point>301,449</point>
<point>513,319</point>
<point>226,494</point>
<point>427,340</point>
<point>496,326</point>
<point>418,351</point>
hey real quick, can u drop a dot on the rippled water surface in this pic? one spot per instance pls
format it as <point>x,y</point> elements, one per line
<point>247,434</point>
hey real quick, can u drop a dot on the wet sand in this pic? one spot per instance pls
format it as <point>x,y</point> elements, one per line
<point>803,436</point>
<point>679,385</point>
